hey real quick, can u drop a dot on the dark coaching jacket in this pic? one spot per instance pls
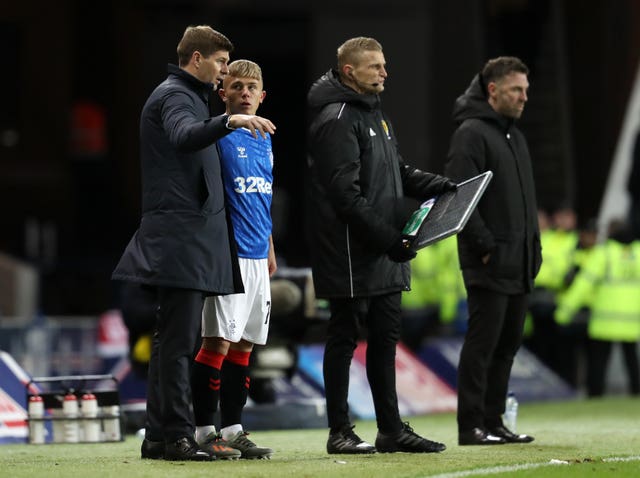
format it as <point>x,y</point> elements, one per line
<point>357,181</point>
<point>505,222</point>
<point>185,239</point>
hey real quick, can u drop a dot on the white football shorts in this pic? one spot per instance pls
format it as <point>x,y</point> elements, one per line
<point>241,316</point>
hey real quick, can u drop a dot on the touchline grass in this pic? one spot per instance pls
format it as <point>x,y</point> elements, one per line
<point>584,437</point>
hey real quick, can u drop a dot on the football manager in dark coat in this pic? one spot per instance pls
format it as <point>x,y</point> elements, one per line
<point>184,248</point>
<point>359,258</point>
<point>499,248</point>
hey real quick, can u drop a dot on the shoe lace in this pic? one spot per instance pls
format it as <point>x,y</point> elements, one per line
<point>241,439</point>
<point>409,431</point>
<point>349,434</point>
<point>214,438</point>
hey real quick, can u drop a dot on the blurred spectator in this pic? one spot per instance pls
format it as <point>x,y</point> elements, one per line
<point>433,303</point>
<point>587,238</point>
<point>571,339</point>
<point>453,306</point>
<point>608,284</point>
<point>421,305</point>
<point>559,239</point>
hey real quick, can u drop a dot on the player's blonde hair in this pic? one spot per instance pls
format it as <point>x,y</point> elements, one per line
<point>245,69</point>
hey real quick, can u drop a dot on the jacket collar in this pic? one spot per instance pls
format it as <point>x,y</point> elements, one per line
<point>329,89</point>
<point>200,87</point>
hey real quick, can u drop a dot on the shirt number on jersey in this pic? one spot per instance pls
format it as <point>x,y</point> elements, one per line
<point>252,184</point>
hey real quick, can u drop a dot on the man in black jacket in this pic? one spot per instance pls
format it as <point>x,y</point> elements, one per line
<point>499,248</point>
<point>359,257</point>
<point>184,247</point>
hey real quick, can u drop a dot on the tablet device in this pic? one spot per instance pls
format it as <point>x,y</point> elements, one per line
<point>445,215</point>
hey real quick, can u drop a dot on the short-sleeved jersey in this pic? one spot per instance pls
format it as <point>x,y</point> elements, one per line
<point>247,171</point>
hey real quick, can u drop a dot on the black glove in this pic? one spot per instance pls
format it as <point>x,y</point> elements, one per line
<point>401,250</point>
<point>449,185</point>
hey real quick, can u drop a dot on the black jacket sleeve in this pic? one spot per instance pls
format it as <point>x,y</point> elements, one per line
<point>466,160</point>
<point>420,184</point>
<point>186,131</point>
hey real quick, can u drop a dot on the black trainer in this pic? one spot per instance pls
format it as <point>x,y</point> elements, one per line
<point>345,441</point>
<point>186,449</point>
<point>510,437</point>
<point>407,441</point>
<point>152,450</point>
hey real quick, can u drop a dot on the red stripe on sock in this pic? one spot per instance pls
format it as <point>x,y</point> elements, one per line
<point>238,357</point>
<point>210,358</point>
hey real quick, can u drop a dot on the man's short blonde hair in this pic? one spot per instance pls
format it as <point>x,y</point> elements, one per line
<point>351,51</point>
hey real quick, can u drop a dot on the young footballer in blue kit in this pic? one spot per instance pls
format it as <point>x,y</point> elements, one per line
<point>232,324</point>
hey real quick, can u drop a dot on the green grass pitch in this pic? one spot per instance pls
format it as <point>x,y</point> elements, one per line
<point>588,437</point>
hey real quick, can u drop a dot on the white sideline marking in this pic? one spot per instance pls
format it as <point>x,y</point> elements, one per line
<point>525,466</point>
<point>622,458</point>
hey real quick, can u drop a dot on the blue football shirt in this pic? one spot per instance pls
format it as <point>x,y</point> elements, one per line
<point>247,171</point>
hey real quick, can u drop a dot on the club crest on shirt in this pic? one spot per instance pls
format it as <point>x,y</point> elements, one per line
<point>385,128</point>
<point>242,152</point>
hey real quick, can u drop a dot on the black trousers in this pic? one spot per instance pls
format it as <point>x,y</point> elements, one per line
<point>169,405</point>
<point>493,337</point>
<point>381,317</point>
<point>598,353</point>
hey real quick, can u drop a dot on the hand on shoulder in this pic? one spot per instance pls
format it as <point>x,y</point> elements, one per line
<point>255,124</point>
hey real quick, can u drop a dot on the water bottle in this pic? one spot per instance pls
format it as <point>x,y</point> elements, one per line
<point>58,425</point>
<point>36,422</point>
<point>91,422</point>
<point>511,412</point>
<point>111,422</point>
<point>70,412</point>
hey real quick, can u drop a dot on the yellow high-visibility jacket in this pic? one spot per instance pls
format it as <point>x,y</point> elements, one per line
<point>558,251</point>
<point>436,280</point>
<point>609,285</point>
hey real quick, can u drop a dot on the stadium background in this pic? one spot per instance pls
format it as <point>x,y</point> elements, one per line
<point>69,205</point>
